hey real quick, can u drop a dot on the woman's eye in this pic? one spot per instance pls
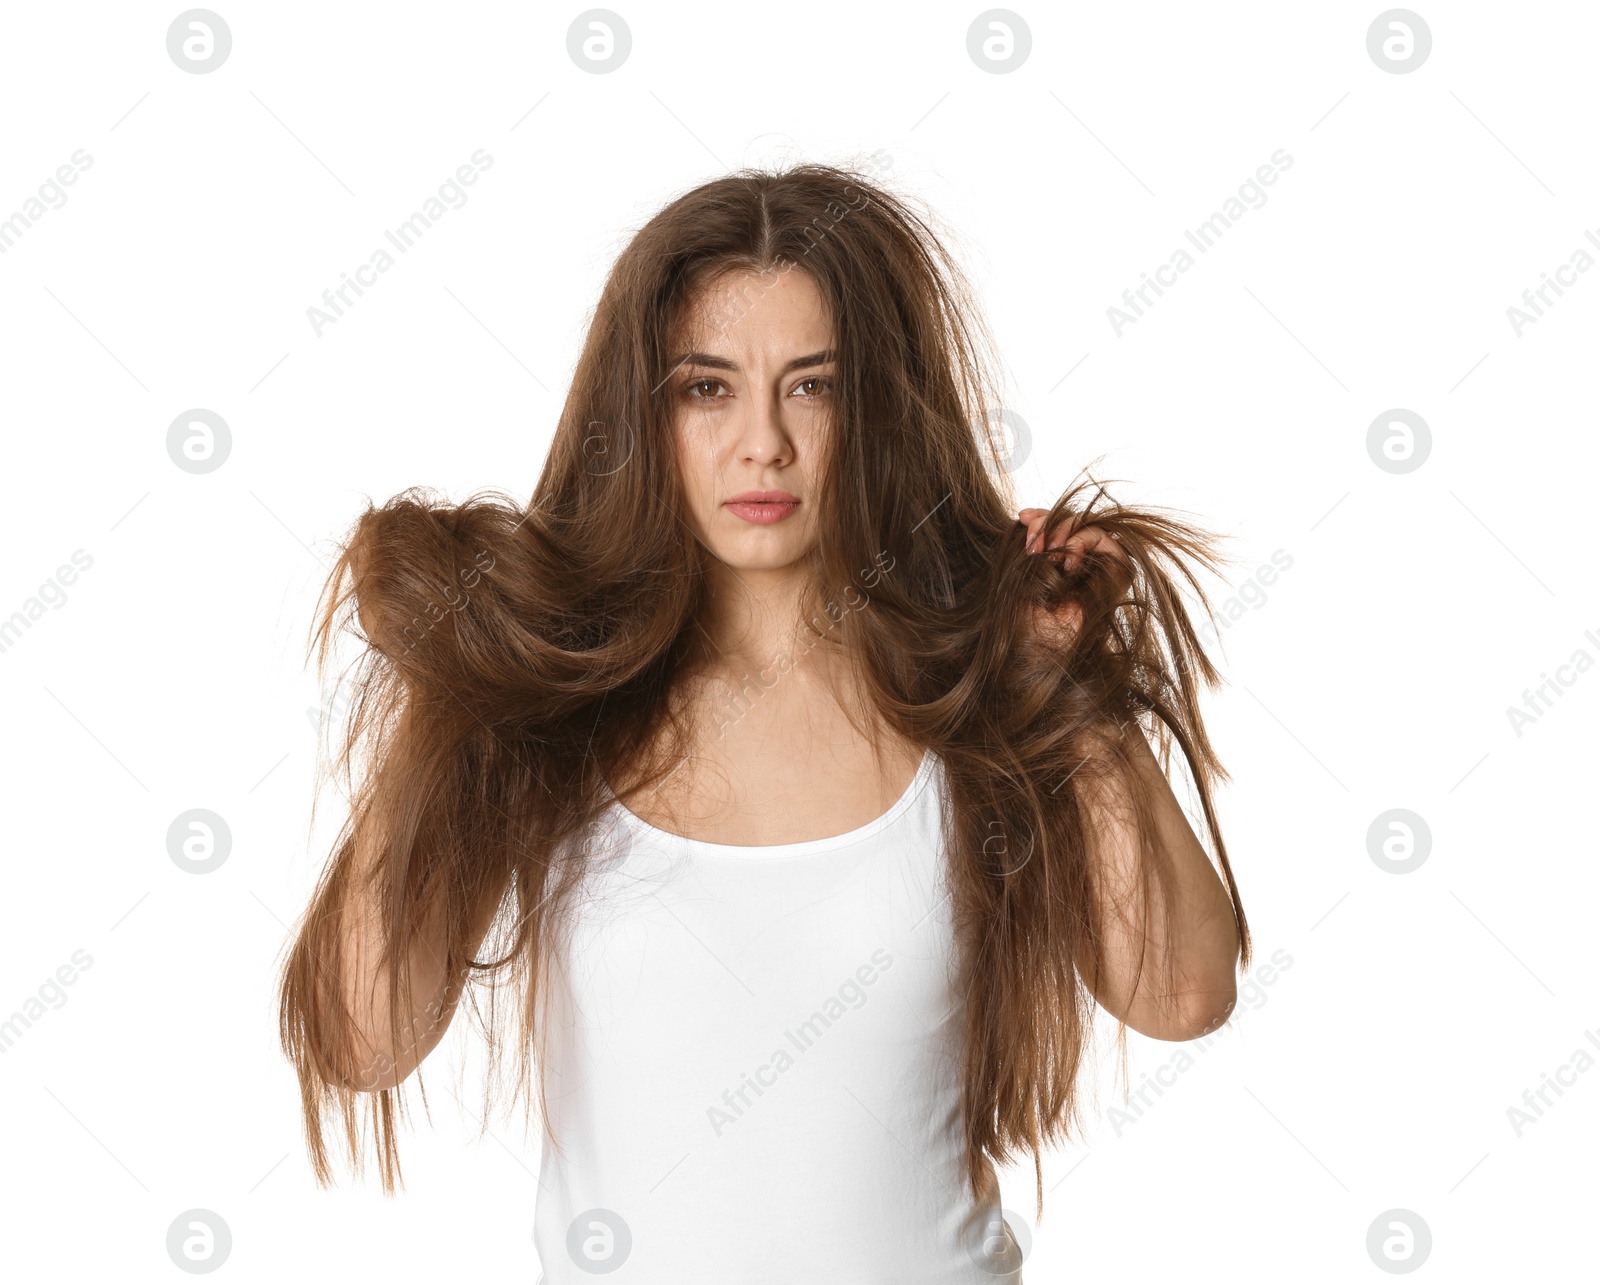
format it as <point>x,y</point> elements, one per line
<point>816,379</point>
<point>694,389</point>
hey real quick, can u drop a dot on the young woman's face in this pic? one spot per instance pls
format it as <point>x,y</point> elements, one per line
<point>752,389</point>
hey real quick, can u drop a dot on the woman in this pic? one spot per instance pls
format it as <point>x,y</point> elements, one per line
<point>798,783</point>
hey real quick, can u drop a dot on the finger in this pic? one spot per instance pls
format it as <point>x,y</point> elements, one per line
<point>1072,545</point>
<point>1092,539</point>
<point>1113,554</point>
<point>1107,545</point>
<point>1064,537</point>
<point>1039,540</point>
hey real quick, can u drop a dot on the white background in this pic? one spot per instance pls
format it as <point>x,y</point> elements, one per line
<point>1376,1071</point>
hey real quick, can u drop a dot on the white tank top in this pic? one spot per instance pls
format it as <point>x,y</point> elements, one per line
<point>753,1062</point>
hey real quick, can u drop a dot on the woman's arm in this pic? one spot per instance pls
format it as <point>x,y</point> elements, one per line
<point>364,1053</point>
<point>345,937</point>
<point>1184,986</point>
<point>1204,942</point>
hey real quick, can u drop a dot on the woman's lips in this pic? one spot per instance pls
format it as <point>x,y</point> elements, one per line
<point>762,512</point>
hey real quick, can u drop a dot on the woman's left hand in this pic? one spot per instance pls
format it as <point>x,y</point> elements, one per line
<point>1070,546</point>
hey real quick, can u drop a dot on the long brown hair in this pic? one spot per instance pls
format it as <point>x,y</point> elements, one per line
<point>520,656</point>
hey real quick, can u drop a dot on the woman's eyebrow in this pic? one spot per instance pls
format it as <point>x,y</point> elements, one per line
<point>722,363</point>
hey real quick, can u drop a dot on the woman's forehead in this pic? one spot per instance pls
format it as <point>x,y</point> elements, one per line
<point>742,308</point>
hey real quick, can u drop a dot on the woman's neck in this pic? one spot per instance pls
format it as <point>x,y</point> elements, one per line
<point>752,617</point>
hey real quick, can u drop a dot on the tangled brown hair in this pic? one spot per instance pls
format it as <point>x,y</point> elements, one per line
<point>520,656</point>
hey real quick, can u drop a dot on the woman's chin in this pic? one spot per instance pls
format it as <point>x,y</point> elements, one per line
<point>759,552</point>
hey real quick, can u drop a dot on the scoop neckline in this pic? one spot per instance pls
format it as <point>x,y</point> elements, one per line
<point>799,848</point>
